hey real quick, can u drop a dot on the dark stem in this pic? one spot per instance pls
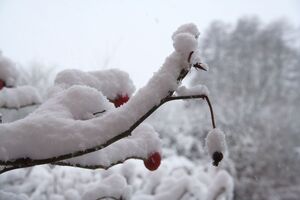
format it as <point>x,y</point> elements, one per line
<point>109,197</point>
<point>211,112</point>
<point>198,97</point>
<point>24,106</point>
<point>96,113</point>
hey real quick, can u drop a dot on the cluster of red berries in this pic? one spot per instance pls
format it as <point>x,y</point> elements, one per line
<point>120,100</point>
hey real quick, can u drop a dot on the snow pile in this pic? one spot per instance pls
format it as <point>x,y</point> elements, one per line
<point>8,71</point>
<point>56,124</point>
<point>187,28</point>
<point>77,102</point>
<point>195,90</point>
<point>185,43</point>
<point>177,178</point>
<point>215,141</point>
<point>19,97</point>
<point>216,145</point>
<point>111,82</point>
<point>222,185</point>
<point>114,186</point>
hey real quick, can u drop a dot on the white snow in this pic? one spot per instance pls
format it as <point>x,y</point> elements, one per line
<point>111,82</point>
<point>11,196</point>
<point>8,71</point>
<point>113,186</point>
<point>19,97</point>
<point>141,144</point>
<point>190,28</point>
<point>185,43</point>
<point>177,177</point>
<point>221,185</point>
<point>195,90</point>
<point>215,141</point>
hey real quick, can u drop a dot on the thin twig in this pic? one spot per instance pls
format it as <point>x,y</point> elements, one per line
<point>202,96</point>
<point>20,107</point>
<point>96,113</point>
<point>109,197</point>
<point>96,166</point>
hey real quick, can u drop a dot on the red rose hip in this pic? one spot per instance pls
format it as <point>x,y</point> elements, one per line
<point>153,161</point>
<point>2,84</point>
<point>120,100</point>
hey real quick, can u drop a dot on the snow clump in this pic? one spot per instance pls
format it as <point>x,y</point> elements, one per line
<point>8,71</point>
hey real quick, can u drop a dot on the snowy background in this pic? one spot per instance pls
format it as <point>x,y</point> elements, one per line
<point>254,82</point>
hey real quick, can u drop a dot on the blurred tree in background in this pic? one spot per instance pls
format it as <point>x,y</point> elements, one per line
<point>254,82</point>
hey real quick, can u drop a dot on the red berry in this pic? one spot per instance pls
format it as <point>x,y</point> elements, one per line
<point>120,100</point>
<point>2,84</point>
<point>153,161</point>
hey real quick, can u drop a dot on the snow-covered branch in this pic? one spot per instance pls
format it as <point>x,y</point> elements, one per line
<point>65,131</point>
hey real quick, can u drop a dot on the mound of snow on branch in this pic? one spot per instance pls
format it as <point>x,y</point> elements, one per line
<point>111,82</point>
<point>8,71</point>
<point>19,97</point>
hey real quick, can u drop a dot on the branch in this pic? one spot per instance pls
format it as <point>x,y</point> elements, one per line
<point>27,162</point>
<point>95,166</point>
<point>20,107</point>
<point>165,100</point>
<point>109,197</point>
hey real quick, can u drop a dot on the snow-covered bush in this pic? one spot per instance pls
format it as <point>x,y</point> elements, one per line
<point>93,120</point>
<point>255,81</point>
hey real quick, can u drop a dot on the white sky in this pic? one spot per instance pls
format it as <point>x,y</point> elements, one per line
<point>133,35</point>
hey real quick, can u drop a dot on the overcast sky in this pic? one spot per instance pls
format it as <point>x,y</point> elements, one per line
<point>132,35</point>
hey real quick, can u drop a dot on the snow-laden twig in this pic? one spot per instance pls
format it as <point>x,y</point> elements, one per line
<point>59,122</point>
